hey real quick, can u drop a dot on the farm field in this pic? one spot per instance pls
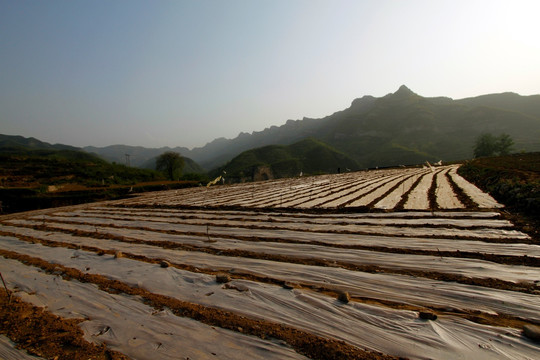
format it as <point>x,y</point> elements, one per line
<point>412,262</point>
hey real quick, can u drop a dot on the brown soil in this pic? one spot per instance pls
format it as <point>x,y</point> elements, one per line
<point>43,334</point>
<point>460,194</point>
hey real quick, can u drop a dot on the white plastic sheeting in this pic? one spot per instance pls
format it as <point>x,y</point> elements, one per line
<point>125,318</point>
<point>331,191</point>
<point>125,324</point>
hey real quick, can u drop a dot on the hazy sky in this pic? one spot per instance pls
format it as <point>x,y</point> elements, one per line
<point>182,73</point>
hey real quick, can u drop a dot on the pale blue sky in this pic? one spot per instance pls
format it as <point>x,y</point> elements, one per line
<point>182,73</point>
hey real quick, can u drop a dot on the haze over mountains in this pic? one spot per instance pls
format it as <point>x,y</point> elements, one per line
<point>399,128</point>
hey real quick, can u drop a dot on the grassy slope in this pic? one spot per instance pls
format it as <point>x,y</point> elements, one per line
<point>513,180</point>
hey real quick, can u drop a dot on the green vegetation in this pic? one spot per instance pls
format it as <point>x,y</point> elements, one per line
<point>490,145</point>
<point>309,156</point>
<point>171,164</point>
<point>38,168</point>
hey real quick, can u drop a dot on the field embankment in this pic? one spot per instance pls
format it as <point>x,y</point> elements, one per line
<point>513,180</point>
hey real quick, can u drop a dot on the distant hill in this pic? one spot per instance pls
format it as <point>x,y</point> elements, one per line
<point>137,155</point>
<point>405,128</point>
<point>191,167</point>
<point>308,156</point>
<point>528,105</point>
<point>41,165</point>
<point>15,142</point>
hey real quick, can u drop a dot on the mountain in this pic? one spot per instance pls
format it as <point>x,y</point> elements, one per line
<point>308,156</point>
<point>191,167</point>
<point>400,128</point>
<point>15,142</point>
<point>529,105</point>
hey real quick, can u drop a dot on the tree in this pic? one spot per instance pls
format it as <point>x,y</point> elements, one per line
<point>504,144</point>
<point>171,164</point>
<point>489,145</point>
<point>485,145</point>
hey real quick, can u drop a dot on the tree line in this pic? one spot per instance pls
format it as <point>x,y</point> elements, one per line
<point>491,145</point>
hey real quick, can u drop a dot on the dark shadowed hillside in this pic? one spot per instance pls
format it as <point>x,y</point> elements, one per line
<point>405,128</point>
<point>308,156</point>
<point>190,166</point>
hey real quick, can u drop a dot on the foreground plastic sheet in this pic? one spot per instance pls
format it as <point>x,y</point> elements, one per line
<point>125,324</point>
<point>383,329</point>
<point>460,266</point>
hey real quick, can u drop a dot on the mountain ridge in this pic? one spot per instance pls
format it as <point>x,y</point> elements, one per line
<point>422,114</point>
<point>398,128</point>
